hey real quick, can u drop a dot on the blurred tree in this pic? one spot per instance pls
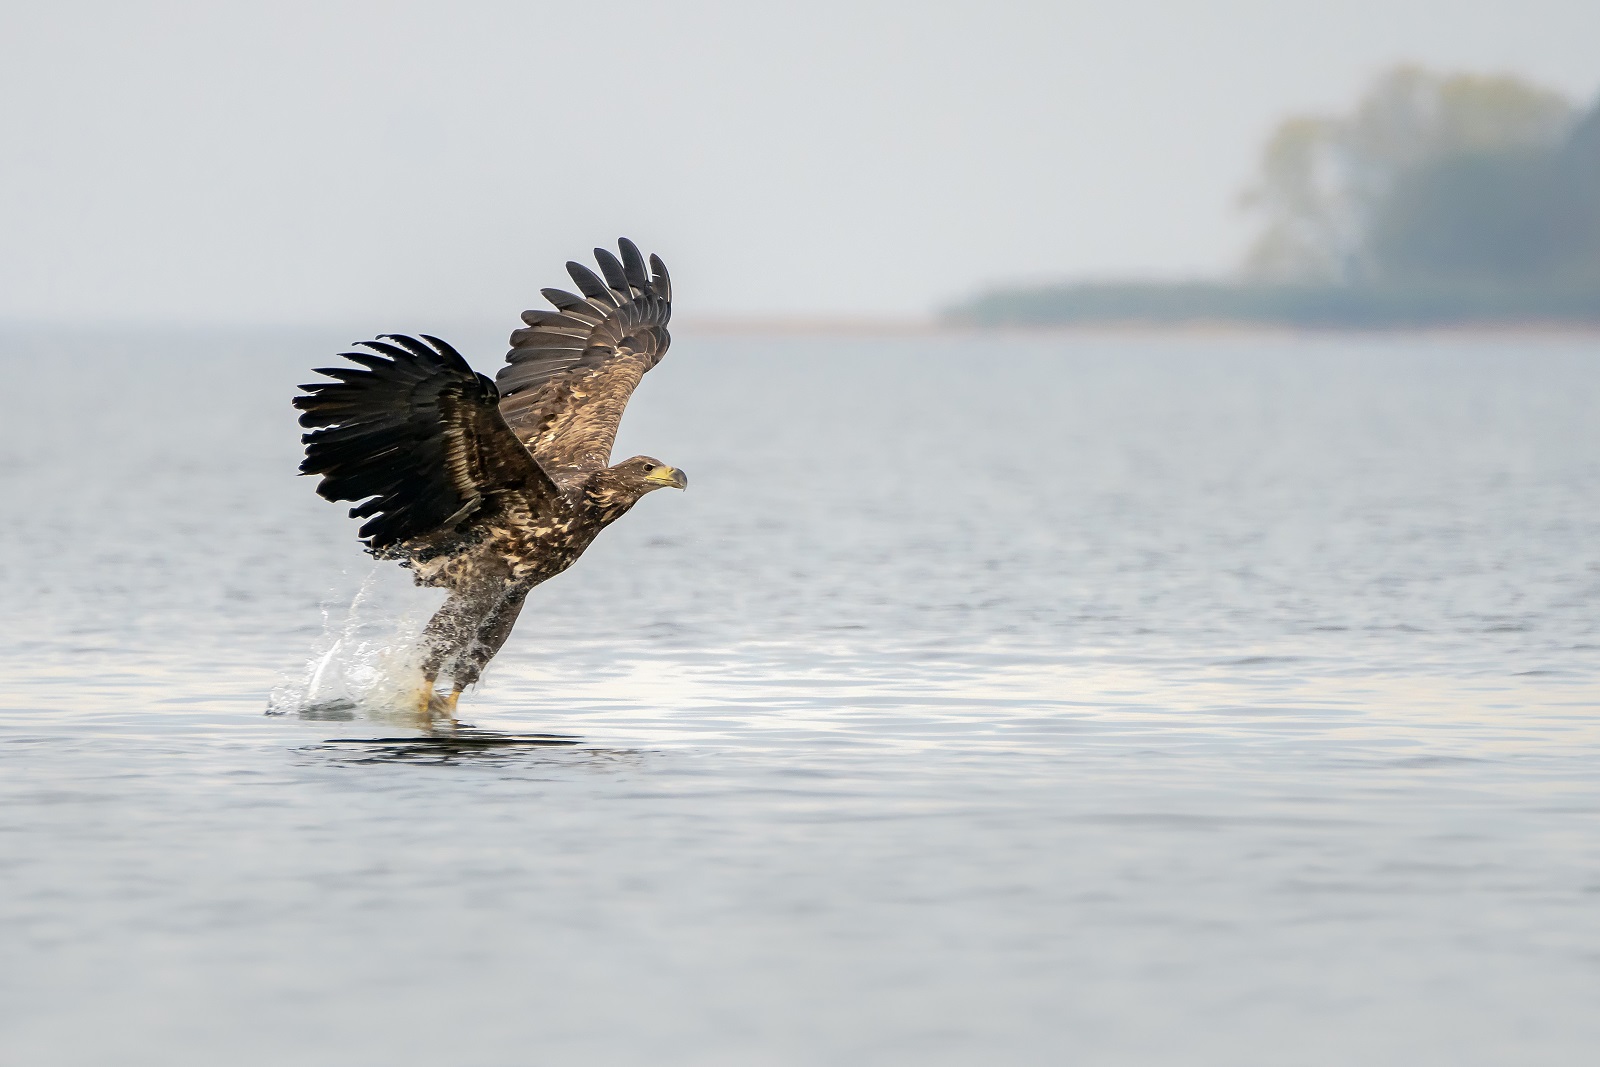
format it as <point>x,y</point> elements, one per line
<point>1578,192</point>
<point>1432,179</point>
<point>1310,232</point>
<point>1438,199</point>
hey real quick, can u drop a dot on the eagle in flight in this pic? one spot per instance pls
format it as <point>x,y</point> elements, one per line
<point>487,488</point>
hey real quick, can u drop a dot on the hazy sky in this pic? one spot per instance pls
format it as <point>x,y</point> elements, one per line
<point>406,163</point>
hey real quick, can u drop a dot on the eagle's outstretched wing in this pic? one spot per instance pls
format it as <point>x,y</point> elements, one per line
<point>419,433</point>
<point>571,371</point>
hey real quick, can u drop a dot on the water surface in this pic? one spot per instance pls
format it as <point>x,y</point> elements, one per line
<point>1058,700</point>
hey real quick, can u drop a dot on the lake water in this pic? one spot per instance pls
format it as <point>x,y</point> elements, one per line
<point>1051,700</point>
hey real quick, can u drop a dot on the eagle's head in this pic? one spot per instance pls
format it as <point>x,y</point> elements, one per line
<point>648,474</point>
<point>617,488</point>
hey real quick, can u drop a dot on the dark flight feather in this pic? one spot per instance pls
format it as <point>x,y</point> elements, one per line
<point>590,285</point>
<point>611,267</point>
<point>556,320</point>
<point>418,432</point>
<point>532,339</point>
<point>660,283</point>
<point>633,267</point>
<point>576,306</point>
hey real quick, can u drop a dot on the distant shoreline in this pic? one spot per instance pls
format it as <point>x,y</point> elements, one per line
<point>929,327</point>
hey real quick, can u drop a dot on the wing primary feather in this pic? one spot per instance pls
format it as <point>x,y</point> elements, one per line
<point>399,356</point>
<point>556,320</point>
<point>523,336</point>
<point>539,339</point>
<point>410,344</point>
<point>575,306</point>
<point>633,266</point>
<point>660,281</point>
<point>366,359</point>
<point>612,269</point>
<point>455,358</point>
<point>589,284</point>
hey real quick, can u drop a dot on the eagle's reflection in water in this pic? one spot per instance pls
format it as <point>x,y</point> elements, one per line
<point>466,745</point>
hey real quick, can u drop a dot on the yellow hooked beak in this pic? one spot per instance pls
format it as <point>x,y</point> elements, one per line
<point>668,476</point>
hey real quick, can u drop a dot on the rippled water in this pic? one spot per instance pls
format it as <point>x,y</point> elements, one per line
<point>1109,700</point>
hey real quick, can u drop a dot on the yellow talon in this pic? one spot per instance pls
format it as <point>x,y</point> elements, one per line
<point>430,705</point>
<point>426,700</point>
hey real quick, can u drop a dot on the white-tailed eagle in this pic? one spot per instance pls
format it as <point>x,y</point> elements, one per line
<point>487,488</point>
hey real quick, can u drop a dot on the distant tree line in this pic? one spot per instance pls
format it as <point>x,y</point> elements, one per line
<point>1439,198</point>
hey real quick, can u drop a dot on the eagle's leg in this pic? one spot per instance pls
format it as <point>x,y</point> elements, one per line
<point>489,639</point>
<point>445,640</point>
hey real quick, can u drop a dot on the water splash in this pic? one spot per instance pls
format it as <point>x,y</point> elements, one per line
<point>367,664</point>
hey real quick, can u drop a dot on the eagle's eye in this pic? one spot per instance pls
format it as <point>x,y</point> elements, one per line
<point>648,467</point>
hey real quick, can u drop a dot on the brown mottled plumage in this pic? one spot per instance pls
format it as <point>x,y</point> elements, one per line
<point>489,488</point>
